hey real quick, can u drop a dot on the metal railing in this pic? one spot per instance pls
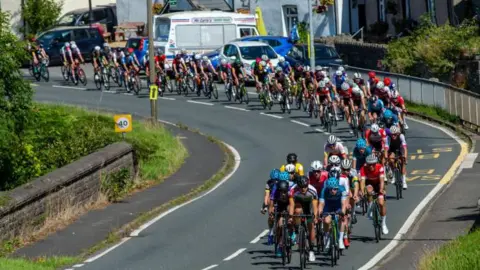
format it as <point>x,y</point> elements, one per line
<point>460,102</point>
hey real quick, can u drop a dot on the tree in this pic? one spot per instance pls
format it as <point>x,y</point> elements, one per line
<point>39,15</point>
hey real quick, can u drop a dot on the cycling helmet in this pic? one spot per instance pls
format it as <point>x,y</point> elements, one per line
<point>357,75</point>
<point>332,139</point>
<point>283,186</point>
<point>278,69</point>
<point>183,51</point>
<point>387,114</point>
<point>233,58</point>
<point>67,44</point>
<point>374,128</point>
<point>394,86</point>
<point>198,57</point>
<point>292,158</point>
<point>73,46</point>
<point>224,62</point>
<point>307,69</point>
<point>302,182</point>
<point>205,58</point>
<point>380,85</point>
<point>262,63</point>
<point>338,73</point>
<point>130,50</point>
<point>356,90</point>
<point>318,68</point>
<point>372,159</point>
<point>373,99</point>
<point>345,86</point>
<point>97,48</point>
<point>371,74</point>
<point>341,69</point>
<point>323,73</point>
<point>322,84</point>
<point>105,45</point>
<point>274,174</point>
<point>264,57</point>
<point>334,159</point>
<point>316,165</point>
<point>387,81</point>
<point>361,143</point>
<point>281,59</point>
<point>159,51</point>
<point>326,80</point>
<point>395,94</point>
<point>346,164</point>
<point>290,168</point>
<point>72,43</point>
<point>395,130</point>
<point>284,176</point>
<point>332,183</point>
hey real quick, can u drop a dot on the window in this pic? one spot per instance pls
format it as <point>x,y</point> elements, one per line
<point>323,52</point>
<point>99,15</point>
<point>162,29</point>
<point>254,52</point>
<point>230,50</point>
<point>381,10</point>
<point>60,36</point>
<point>204,35</point>
<point>295,52</point>
<point>291,16</point>
<point>226,49</point>
<point>245,32</point>
<point>80,34</point>
<point>273,42</point>
<point>68,19</point>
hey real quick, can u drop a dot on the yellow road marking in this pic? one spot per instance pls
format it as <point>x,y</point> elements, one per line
<point>429,156</point>
<point>451,172</point>
<point>425,171</point>
<point>442,149</point>
<point>419,151</point>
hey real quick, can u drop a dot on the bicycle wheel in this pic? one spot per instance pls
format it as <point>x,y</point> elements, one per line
<point>65,75</point>
<point>179,86</point>
<point>269,101</point>
<point>185,87</point>
<point>354,124</point>
<point>287,102</point>
<point>284,247</point>
<point>245,96</point>
<point>81,76</point>
<point>319,237</point>
<point>169,83</point>
<point>106,81</point>
<point>45,73</point>
<point>315,109</point>
<point>282,104</point>
<point>302,238</point>
<point>228,91</point>
<point>398,183</point>
<point>376,221</point>
<point>298,101</point>
<point>98,81</point>
<point>333,252</point>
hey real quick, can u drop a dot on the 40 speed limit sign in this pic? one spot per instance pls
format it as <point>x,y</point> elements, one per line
<point>123,123</point>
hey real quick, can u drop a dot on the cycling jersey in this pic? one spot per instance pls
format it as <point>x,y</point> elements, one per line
<point>225,68</point>
<point>378,140</point>
<point>391,121</point>
<point>270,184</point>
<point>298,169</point>
<point>305,199</point>
<point>281,78</point>
<point>285,67</point>
<point>333,202</point>
<point>338,149</point>
<point>318,183</point>
<point>206,65</point>
<point>397,144</point>
<point>359,82</point>
<point>377,107</point>
<point>338,80</point>
<point>345,94</point>
<point>399,101</point>
<point>325,91</point>
<point>280,199</point>
<point>238,68</point>
<point>361,158</point>
<point>375,175</point>
<point>348,180</point>
<point>383,94</point>
<point>344,181</point>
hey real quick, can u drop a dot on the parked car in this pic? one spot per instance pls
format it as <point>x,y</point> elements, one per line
<point>247,51</point>
<point>324,55</point>
<point>281,45</point>
<point>103,14</point>
<point>85,37</point>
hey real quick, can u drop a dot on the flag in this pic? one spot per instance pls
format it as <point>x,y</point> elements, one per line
<point>294,36</point>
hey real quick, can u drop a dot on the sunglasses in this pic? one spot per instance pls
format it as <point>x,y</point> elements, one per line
<point>317,171</point>
<point>334,189</point>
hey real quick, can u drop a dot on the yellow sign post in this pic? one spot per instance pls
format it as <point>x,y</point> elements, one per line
<point>153,92</point>
<point>123,123</point>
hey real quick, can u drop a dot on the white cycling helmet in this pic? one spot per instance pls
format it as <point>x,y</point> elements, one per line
<point>324,73</point>
<point>281,59</point>
<point>332,139</point>
<point>326,80</point>
<point>338,73</point>
<point>322,84</point>
<point>345,86</point>
<point>386,89</point>
<point>290,168</point>
<point>341,69</point>
<point>183,51</point>
<point>318,68</point>
<point>371,159</point>
<point>105,45</point>
<point>97,48</point>
<point>72,42</point>
<point>263,63</point>
<point>278,69</point>
<point>380,85</point>
<point>346,164</point>
<point>205,58</point>
<point>264,57</point>
<point>357,75</point>
<point>74,46</point>
<point>198,57</point>
<point>233,58</point>
<point>67,44</point>
<point>356,90</point>
<point>374,128</point>
<point>334,160</point>
<point>317,165</point>
<point>395,94</point>
<point>394,130</point>
<point>223,61</point>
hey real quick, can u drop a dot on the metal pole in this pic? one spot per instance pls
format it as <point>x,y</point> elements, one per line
<point>90,14</point>
<point>151,48</point>
<point>312,35</point>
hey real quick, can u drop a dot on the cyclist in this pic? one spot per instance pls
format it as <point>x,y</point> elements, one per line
<point>324,97</point>
<point>390,119</point>
<point>260,71</point>
<point>346,102</point>
<point>371,83</point>
<point>269,63</point>
<point>98,61</point>
<point>195,66</point>
<point>274,177</point>
<point>358,97</point>
<point>238,69</point>
<point>377,138</point>
<point>334,147</point>
<point>338,79</point>
<point>348,177</point>
<point>344,72</point>
<point>333,166</point>
<point>279,201</point>
<point>357,79</point>
<point>397,147</point>
<point>387,82</point>
<point>360,154</point>
<point>281,81</point>
<point>292,159</point>
<point>375,108</point>
<point>383,93</point>
<point>308,83</point>
<point>303,199</point>
<point>75,56</point>
<point>333,199</point>
<point>179,62</point>
<point>372,175</point>
<point>64,53</point>
<point>225,69</point>
<point>287,69</point>
<point>317,175</point>
<point>130,63</point>
<point>297,75</point>
<point>398,106</point>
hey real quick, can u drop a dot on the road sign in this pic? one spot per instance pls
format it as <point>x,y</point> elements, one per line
<point>123,123</point>
<point>173,2</point>
<point>153,92</point>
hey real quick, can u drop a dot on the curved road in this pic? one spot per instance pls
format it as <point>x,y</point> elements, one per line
<point>222,230</point>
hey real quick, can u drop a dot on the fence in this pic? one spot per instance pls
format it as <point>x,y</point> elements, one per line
<point>456,101</point>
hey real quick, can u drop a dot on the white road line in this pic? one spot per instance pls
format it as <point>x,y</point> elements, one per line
<point>128,94</point>
<point>272,115</point>
<point>418,210</point>
<point>69,269</point>
<point>210,267</point>
<point>469,160</point>
<point>319,130</point>
<point>235,254</point>
<point>199,102</point>
<point>300,123</point>
<point>91,259</point>
<point>78,265</point>
<point>69,87</point>
<point>252,93</point>
<point>237,108</point>
<point>110,91</point>
<point>166,98</point>
<point>168,123</point>
<point>256,239</point>
<point>32,84</point>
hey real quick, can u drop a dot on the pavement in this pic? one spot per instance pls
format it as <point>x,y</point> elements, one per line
<point>455,212</point>
<point>225,230</point>
<point>95,226</point>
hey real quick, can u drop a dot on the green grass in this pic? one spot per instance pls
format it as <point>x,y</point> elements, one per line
<point>434,112</point>
<point>50,263</point>
<point>462,253</point>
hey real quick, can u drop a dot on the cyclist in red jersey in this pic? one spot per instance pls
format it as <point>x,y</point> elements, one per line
<point>346,102</point>
<point>377,138</point>
<point>317,176</point>
<point>398,105</point>
<point>324,97</point>
<point>372,177</point>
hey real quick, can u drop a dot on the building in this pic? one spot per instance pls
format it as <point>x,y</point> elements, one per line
<point>14,7</point>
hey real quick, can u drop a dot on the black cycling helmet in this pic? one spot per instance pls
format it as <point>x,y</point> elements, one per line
<point>283,186</point>
<point>302,181</point>
<point>291,158</point>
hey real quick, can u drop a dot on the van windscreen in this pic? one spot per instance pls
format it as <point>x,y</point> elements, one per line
<point>162,29</point>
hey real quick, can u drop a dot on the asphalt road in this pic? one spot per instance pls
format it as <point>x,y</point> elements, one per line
<point>221,230</point>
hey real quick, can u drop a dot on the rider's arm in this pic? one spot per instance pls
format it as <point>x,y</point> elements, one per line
<point>321,202</point>
<point>382,179</point>
<point>291,203</point>
<point>404,145</point>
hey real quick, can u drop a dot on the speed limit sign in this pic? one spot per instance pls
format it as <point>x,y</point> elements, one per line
<point>123,122</point>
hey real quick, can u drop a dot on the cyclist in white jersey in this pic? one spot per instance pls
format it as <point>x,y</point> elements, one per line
<point>334,147</point>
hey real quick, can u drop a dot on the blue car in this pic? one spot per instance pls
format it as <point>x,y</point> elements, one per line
<point>280,44</point>
<point>139,46</point>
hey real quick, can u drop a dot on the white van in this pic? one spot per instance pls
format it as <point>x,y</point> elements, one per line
<point>200,31</point>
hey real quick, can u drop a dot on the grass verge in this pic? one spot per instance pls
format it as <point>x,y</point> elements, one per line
<point>43,263</point>
<point>462,253</point>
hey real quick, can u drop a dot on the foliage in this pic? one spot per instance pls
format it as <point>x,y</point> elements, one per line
<point>40,15</point>
<point>379,28</point>
<point>434,112</point>
<point>116,184</point>
<point>327,2</point>
<point>157,7</point>
<point>438,48</point>
<point>41,263</point>
<point>303,30</point>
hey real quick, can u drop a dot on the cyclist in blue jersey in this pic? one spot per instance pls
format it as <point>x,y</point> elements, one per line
<point>333,198</point>
<point>274,176</point>
<point>279,202</point>
<point>338,79</point>
<point>390,119</point>
<point>360,154</point>
<point>375,108</point>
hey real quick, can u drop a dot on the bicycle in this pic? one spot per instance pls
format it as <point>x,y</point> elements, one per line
<point>313,108</point>
<point>79,75</point>
<point>355,121</point>
<point>303,246</point>
<point>133,82</point>
<point>397,175</point>
<point>163,83</point>
<point>334,249</point>
<point>377,222</point>
<point>285,101</point>
<point>102,79</point>
<point>212,86</point>
<point>181,83</point>
<point>286,240</point>
<point>229,87</point>
<point>242,93</point>
<point>65,69</point>
<point>42,71</point>
<point>266,95</point>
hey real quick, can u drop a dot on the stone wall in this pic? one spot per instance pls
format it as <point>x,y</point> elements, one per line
<point>26,208</point>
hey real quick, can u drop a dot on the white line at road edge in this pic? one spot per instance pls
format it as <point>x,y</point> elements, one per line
<point>166,98</point>
<point>210,267</point>
<point>271,115</point>
<point>256,239</point>
<point>237,108</point>
<point>199,102</point>
<point>416,212</point>
<point>149,223</point>
<point>69,87</point>
<point>235,254</point>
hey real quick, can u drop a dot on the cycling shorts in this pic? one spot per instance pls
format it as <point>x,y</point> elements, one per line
<point>376,187</point>
<point>398,152</point>
<point>358,103</point>
<point>378,146</point>
<point>332,207</point>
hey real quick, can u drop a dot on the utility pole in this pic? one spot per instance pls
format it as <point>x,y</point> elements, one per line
<point>90,13</point>
<point>312,35</point>
<point>151,48</point>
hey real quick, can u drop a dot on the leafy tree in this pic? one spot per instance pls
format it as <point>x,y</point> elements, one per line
<point>39,15</point>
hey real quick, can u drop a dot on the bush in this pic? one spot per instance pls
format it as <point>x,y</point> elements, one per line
<point>116,184</point>
<point>40,15</point>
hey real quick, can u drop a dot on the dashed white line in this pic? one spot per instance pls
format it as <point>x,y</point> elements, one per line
<point>272,115</point>
<point>78,265</point>
<point>252,93</point>
<point>199,102</point>
<point>235,254</point>
<point>237,108</point>
<point>166,98</point>
<point>256,239</point>
<point>128,94</point>
<point>110,91</point>
<point>319,130</point>
<point>300,123</point>
<point>210,267</point>
<point>69,87</point>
